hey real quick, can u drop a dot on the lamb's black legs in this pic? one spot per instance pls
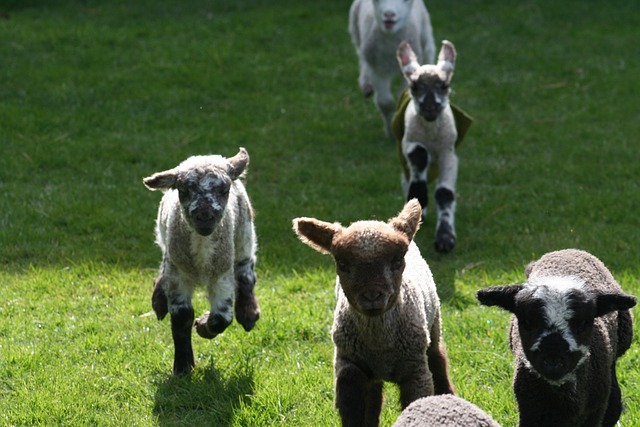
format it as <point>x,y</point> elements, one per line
<point>614,408</point>
<point>358,398</point>
<point>419,160</point>
<point>181,324</point>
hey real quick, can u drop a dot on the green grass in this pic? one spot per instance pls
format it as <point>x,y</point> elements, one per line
<point>94,96</point>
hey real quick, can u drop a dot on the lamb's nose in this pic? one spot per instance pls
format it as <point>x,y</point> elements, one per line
<point>372,296</point>
<point>389,15</point>
<point>204,215</point>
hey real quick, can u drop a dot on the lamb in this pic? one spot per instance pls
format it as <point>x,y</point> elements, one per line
<point>445,410</point>
<point>377,27</point>
<point>206,233</point>
<point>571,321</point>
<point>430,136</point>
<point>387,324</point>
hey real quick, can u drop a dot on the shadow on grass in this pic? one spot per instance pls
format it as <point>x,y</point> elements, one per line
<point>206,397</point>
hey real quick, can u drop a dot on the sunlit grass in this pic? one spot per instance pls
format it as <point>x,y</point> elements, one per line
<point>94,96</point>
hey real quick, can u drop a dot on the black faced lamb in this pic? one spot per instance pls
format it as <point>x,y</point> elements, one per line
<point>571,322</point>
<point>377,27</point>
<point>430,136</point>
<point>387,324</point>
<point>444,410</point>
<point>206,233</point>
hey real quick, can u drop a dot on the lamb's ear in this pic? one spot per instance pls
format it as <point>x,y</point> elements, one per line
<point>609,302</point>
<point>315,233</point>
<point>408,220</point>
<point>407,59</point>
<point>447,58</point>
<point>238,163</point>
<point>502,296</point>
<point>161,180</point>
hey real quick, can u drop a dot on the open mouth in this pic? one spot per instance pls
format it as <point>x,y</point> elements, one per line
<point>389,24</point>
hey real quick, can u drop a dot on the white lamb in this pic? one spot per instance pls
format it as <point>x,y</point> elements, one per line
<point>377,27</point>
<point>387,323</point>
<point>430,136</point>
<point>206,233</point>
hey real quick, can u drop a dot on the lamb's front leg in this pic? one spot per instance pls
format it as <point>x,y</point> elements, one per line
<point>418,384</point>
<point>446,202</point>
<point>220,294</point>
<point>417,158</point>
<point>171,296</point>
<point>247,308</point>
<point>358,398</point>
<point>383,99</point>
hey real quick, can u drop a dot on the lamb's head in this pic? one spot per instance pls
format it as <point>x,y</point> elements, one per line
<point>430,85</point>
<point>203,184</point>
<point>369,255</point>
<point>392,15</point>
<point>555,318</point>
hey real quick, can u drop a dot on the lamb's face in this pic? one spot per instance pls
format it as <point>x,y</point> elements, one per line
<point>369,263</point>
<point>203,193</point>
<point>555,318</point>
<point>430,90</point>
<point>429,84</point>
<point>392,15</point>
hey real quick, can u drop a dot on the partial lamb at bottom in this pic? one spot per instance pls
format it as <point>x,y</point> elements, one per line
<point>445,410</point>
<point>206,233</point>
<point>571,322</point>
<point>386,324</point>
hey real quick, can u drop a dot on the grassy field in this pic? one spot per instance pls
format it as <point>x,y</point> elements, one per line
<point>96,95</point>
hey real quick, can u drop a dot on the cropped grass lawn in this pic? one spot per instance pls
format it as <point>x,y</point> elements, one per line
<point>95,95</point>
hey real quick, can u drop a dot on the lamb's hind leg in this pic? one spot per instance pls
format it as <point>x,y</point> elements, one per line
<point>247,308</point>
<point>219,317</point>
<point>438,360</point>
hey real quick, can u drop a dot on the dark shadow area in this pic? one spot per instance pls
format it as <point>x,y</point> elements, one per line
<point>207,398</point>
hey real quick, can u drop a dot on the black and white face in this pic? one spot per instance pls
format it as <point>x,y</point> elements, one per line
<point>430,93</point>
<point>203,196</point>
<point>555,321</point>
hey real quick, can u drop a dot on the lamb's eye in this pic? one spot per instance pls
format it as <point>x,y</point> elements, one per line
<point>525,324</point>
<point>183,194</point>
<point>396,264</point>
<point>342,265</point>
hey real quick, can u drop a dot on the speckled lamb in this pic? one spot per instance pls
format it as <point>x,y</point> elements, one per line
<point>387,323</point>
<point>445,410</point>
<point>206,233</point>
<point>571,321</point>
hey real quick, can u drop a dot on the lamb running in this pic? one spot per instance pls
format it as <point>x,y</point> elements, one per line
<point>387,324</point>
<point>206,233</point>
<point>377,27</point>
<point>445,410</point>
<point>571,321</point>
<point>429,137</point>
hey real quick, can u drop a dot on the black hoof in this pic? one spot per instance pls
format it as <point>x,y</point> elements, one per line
<point>445,242</point>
